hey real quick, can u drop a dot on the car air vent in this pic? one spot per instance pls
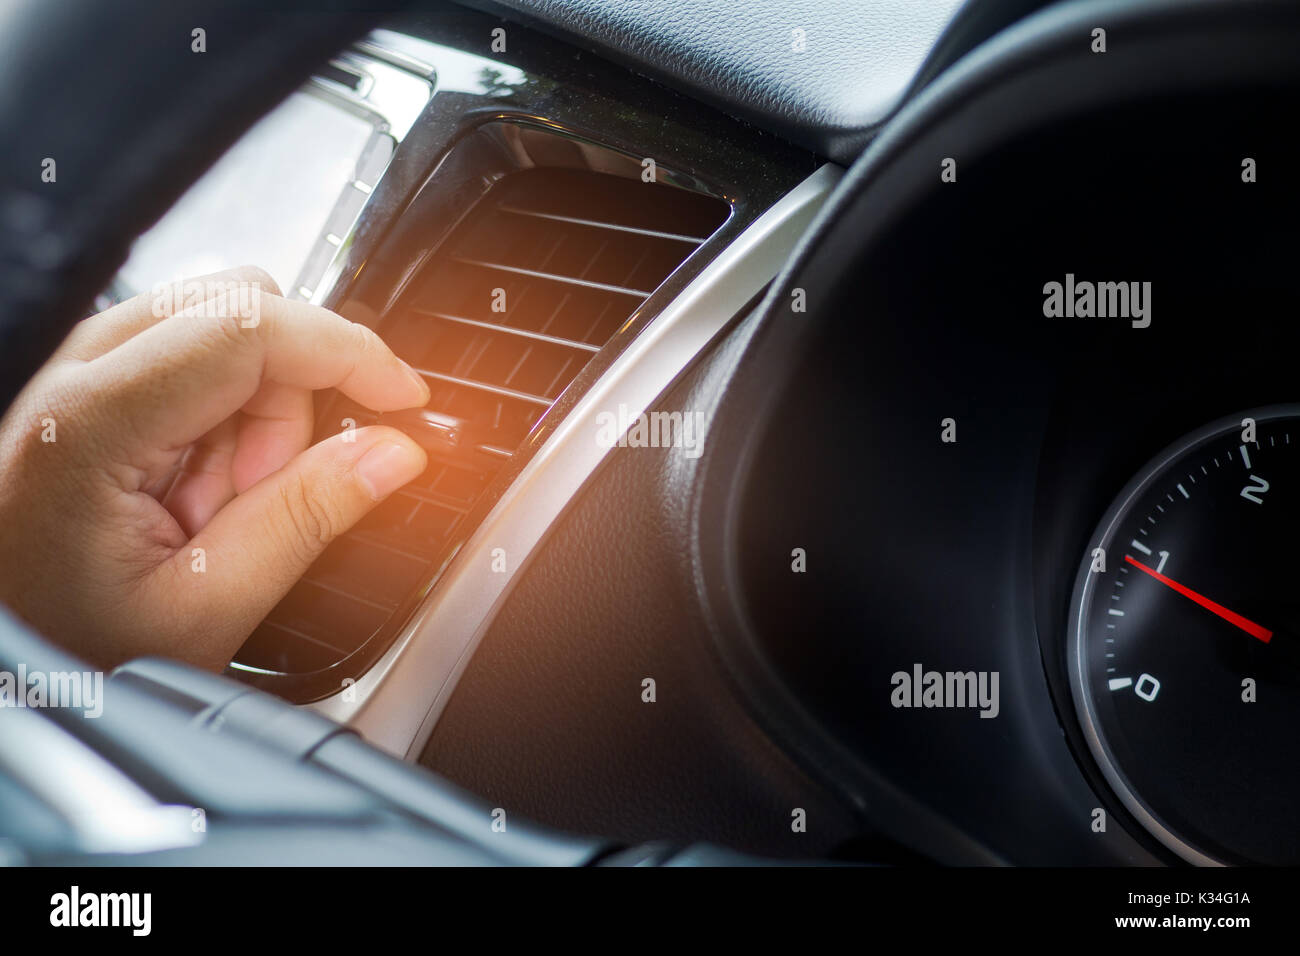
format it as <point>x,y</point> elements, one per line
<point>531,283</point>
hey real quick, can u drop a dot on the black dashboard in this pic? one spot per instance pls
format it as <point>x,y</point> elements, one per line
<point>946,451</point>
<point>918,439</point>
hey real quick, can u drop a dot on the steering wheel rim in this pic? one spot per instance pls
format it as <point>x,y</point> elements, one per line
<point>124,151</point>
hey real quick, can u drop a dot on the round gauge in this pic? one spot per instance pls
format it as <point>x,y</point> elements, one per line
<point>1185,642</point>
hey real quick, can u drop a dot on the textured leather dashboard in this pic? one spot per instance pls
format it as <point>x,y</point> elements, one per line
<point>826,89</point>
<point>549,719</point>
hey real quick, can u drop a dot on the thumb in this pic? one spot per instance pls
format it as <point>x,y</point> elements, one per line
<point>258,546</point>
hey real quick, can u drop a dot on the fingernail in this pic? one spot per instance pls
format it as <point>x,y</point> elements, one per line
<point>419,380</point>
<point>388,466</point>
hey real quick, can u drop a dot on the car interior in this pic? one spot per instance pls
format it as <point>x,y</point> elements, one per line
<point>812,478</point>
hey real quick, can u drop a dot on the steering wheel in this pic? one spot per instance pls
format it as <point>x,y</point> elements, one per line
<point>90,165</point>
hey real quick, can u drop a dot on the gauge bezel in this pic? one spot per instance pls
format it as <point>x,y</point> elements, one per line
<point>1080,601</point>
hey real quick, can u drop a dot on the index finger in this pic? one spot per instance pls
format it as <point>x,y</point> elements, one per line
<point>183,376</point>
<point>93,336</point>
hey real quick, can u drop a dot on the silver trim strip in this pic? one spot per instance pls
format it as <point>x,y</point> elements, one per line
<point>397,702</point>
<point>396,90</point>
<point>597,224</point>
<point>553,277</point>
<point>501,390</point>
<point>375,48</point>
<point>511,330</point>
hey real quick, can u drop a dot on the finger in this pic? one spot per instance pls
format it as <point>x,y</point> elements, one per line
<point>175,381</point>
<point>203,484</point>
<point>274,426</point>
<point>92,337</point>
<point>258,546</point>
<point>260,439</point>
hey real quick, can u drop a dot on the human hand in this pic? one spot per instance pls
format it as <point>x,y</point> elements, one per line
<point>157,491</point>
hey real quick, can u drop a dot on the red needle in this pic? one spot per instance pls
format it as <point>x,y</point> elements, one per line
<point>1232,617</point>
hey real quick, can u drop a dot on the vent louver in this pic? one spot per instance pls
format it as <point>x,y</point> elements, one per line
<point>532,282</point>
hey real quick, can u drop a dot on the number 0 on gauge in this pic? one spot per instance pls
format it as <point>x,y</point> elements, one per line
<point>1184,651</point>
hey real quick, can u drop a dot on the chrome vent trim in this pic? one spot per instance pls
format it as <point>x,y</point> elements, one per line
<point>387,89</point>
